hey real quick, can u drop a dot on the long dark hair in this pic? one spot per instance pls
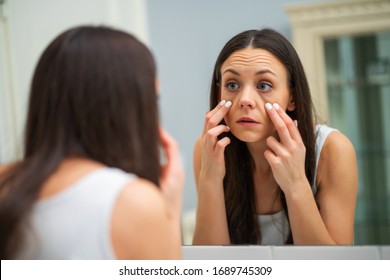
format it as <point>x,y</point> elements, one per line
<point>93,95</point>
<point>238,182</point>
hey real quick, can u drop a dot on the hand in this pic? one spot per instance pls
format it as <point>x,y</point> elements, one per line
<point>172,174</point>
<point>286,156</point>
<point>213,159</point>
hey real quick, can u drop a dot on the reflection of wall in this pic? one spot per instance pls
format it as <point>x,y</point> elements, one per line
<point>7,119</point>
<point>26,27</point>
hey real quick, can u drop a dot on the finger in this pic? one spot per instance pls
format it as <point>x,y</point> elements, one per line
<point>270,157</point>
<point>275,146</point>
<point>209,114</point>
<point>213,118</point>
<point>278,122</point>
<point>292,126</point>
<point>213,133</point>
<point>221,145</point>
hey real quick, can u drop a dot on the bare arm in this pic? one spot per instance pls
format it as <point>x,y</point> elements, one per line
<point>4,168</point>
<point>209,170</point>
<point>146,220</point>
<point>337,189</point>
<point>333,223</point>
<point>211,222</point>
<point>142,226</point>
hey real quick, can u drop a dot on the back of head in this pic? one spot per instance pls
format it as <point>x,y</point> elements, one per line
<point>93,95</point>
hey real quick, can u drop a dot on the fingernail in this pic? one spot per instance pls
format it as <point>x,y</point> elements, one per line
<point>276,106</point>
<point>228,127</point>
<point>296,123</point>
<point>228,104</point>
<point>268,106</point>
<point>222,103</point>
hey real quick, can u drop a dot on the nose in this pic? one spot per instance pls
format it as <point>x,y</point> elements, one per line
<point>247,99</point>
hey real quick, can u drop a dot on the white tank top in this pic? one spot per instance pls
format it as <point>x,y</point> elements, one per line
<point>275,227</point>
<point>75,223</point>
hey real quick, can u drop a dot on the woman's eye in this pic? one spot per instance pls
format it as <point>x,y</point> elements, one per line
<point>232,86</point>
<point>264,87</point>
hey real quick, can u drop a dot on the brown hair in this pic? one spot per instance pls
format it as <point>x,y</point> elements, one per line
<point>238,182</point>
<point>92,95</point>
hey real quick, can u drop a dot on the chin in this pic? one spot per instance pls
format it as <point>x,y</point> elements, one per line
<point>247,136</point>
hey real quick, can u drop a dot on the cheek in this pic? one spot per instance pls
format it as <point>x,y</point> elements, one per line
<point>228,96</point>
<point>283,102</point>
<point>227,118</point>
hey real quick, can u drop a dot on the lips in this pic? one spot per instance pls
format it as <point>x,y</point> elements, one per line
<point>246,121</point>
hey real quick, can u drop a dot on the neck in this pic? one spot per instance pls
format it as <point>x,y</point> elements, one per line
<point>266,188</point>
<point>262,166</point>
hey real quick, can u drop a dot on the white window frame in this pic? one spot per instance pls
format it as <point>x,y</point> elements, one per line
<point>313,23</point>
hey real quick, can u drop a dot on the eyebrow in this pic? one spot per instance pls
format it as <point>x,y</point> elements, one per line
<point>261,72</point>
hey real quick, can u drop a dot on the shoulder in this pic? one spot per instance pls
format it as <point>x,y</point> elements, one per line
<point>337,183</point>
<point>142,196</point>
<point>337,145</point>
<point>140,222</point>
<point>4,168</point>
<point>337,159</point>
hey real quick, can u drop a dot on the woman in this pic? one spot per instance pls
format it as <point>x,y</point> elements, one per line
<point>265,173</point>
<point>90,184</point>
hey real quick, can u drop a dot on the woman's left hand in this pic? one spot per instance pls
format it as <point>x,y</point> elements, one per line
<point>286,156</point>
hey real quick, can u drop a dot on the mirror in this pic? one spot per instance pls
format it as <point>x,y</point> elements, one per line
<point>345,49</point>
<point>186,37</point>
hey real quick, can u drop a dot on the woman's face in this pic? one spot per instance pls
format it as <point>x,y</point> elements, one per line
<point>250,79</point>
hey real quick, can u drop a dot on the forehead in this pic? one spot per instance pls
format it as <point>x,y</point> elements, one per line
<point>253,59</point>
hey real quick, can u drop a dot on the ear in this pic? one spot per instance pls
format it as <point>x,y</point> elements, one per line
<point>291,104</point>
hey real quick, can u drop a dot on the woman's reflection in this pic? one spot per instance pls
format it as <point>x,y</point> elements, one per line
<point>266,173</point>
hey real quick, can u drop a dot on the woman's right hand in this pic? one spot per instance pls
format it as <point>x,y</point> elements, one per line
<point>172,174</point>
<point>211,226</point>
<point>213,159</point>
